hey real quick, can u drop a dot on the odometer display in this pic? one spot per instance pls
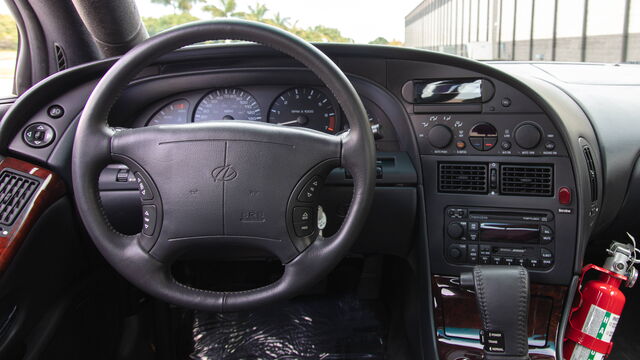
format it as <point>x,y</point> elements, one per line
<point>176,112</point>
<point>228,104</point>
<point>306,107</point>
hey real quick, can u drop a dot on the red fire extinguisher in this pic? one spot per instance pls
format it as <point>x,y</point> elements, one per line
<point>599,304</point>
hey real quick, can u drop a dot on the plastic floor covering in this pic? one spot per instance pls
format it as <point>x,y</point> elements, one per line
<point>321,327</point>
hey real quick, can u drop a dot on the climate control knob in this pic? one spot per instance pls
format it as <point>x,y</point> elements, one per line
<point>527,136</point>
<point>440,136</point>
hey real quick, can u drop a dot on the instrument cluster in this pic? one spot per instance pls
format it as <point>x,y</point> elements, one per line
<point>302,106</point>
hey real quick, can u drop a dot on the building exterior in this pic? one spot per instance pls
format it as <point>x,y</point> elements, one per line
<point>545,30</point>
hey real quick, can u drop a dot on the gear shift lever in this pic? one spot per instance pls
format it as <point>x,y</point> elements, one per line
<point>502,294</point>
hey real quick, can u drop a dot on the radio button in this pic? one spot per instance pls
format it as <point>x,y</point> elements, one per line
<point>533,263</point>
<point>546,254</point>
<point>472,256</point>
<point>473,236</point>
<point>521,262</point>
<point>456,230</point>
<point>545,263</point>
<point>496,260</point>
<point>485,260</point>
<point>545,230</point>
<point>508,261</point>
<point>458,252</point>
<point>485,250</point>
<point>474,226</point>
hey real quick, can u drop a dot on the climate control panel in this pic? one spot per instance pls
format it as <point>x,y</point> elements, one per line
<point>481,134</point>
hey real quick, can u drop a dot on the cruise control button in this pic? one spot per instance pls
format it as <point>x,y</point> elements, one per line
<point>301,214</point>
<point>148,219</point>
<point>303,229</point>
<point>309,192</point>
<point>143,187</point>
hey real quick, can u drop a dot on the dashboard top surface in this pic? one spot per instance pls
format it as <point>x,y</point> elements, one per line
<point>382,71</point>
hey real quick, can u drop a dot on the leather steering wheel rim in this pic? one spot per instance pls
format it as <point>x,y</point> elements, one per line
<point>97,145</point>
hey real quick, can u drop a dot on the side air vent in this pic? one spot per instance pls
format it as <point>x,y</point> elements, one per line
<point>531,180</point>
<point>15,192</point>
<point>61,58</point>
<point>593,175</point>
<point>462,178</point>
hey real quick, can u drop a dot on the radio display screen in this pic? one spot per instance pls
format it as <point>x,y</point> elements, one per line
<point>510,233</point>
<point>448,91</point>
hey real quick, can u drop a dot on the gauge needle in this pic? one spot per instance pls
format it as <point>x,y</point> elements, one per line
<point>292,122</point>
<point>300,120</point>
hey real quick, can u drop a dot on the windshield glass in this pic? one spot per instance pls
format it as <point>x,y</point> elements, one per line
<point>522,30</point>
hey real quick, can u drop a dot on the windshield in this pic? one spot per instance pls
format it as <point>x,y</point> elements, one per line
<point>522,30</point>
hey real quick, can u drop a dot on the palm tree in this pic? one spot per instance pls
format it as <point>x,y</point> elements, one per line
<point>257,13</point>
<point>279,21</point>
<point>226,8</point>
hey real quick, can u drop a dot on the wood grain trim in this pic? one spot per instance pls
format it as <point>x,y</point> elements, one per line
<point>456,306</point>
<point>51,189</point>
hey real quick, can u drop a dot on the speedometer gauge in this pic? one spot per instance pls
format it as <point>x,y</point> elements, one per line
<point>228,104</point>
<point>176,112</point>
<point>306,107</point>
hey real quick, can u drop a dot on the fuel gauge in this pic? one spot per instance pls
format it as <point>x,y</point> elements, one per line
<point>176,112</point>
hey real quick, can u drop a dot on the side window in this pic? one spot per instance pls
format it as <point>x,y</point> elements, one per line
<point>8,52</point>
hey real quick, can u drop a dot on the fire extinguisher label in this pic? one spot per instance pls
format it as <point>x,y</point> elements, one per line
<point>600,324</point>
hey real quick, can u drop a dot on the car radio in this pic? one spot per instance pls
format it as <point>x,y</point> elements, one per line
<point>499,236</point>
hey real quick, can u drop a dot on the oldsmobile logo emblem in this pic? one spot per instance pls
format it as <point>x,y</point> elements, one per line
<point>224,173</point>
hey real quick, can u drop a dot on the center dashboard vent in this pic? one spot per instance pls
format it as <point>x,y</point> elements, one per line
<point>15,192</point>
<point>530,180</point>
<point>462,178</point>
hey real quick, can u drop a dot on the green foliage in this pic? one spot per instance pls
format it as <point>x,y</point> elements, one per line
<point>258,12</point>
<point>177,5</point>
<point>8,33</point>
<point>379,41</point>
<point>225,9</point>
<point>156,25</point>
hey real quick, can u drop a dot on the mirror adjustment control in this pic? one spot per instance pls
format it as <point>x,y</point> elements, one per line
<point>148,219</point>
<point>38,135</point>
<point>309,192</point>
<point>143,187</point>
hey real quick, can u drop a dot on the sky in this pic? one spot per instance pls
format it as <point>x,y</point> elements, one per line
<point>361,20</point>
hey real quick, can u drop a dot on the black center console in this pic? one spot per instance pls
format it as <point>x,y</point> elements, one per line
<point>499,184</point>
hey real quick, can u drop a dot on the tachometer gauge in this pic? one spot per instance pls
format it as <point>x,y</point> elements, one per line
<point>306,107</point>
<point>228,104</point>
<point>176,112</point>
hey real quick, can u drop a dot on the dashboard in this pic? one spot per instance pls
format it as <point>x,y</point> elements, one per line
<point>477,163</point>
<point>498,163</point>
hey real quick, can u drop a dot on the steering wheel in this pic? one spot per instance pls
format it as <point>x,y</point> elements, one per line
<point>223,183</point>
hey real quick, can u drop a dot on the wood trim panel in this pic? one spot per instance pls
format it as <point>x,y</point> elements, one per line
<point>458,322</point>
<point>51,189</point>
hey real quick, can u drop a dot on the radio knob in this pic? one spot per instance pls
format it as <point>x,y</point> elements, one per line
<point>440,136</point>
<point>455,230</point>
<point>528,136</point>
